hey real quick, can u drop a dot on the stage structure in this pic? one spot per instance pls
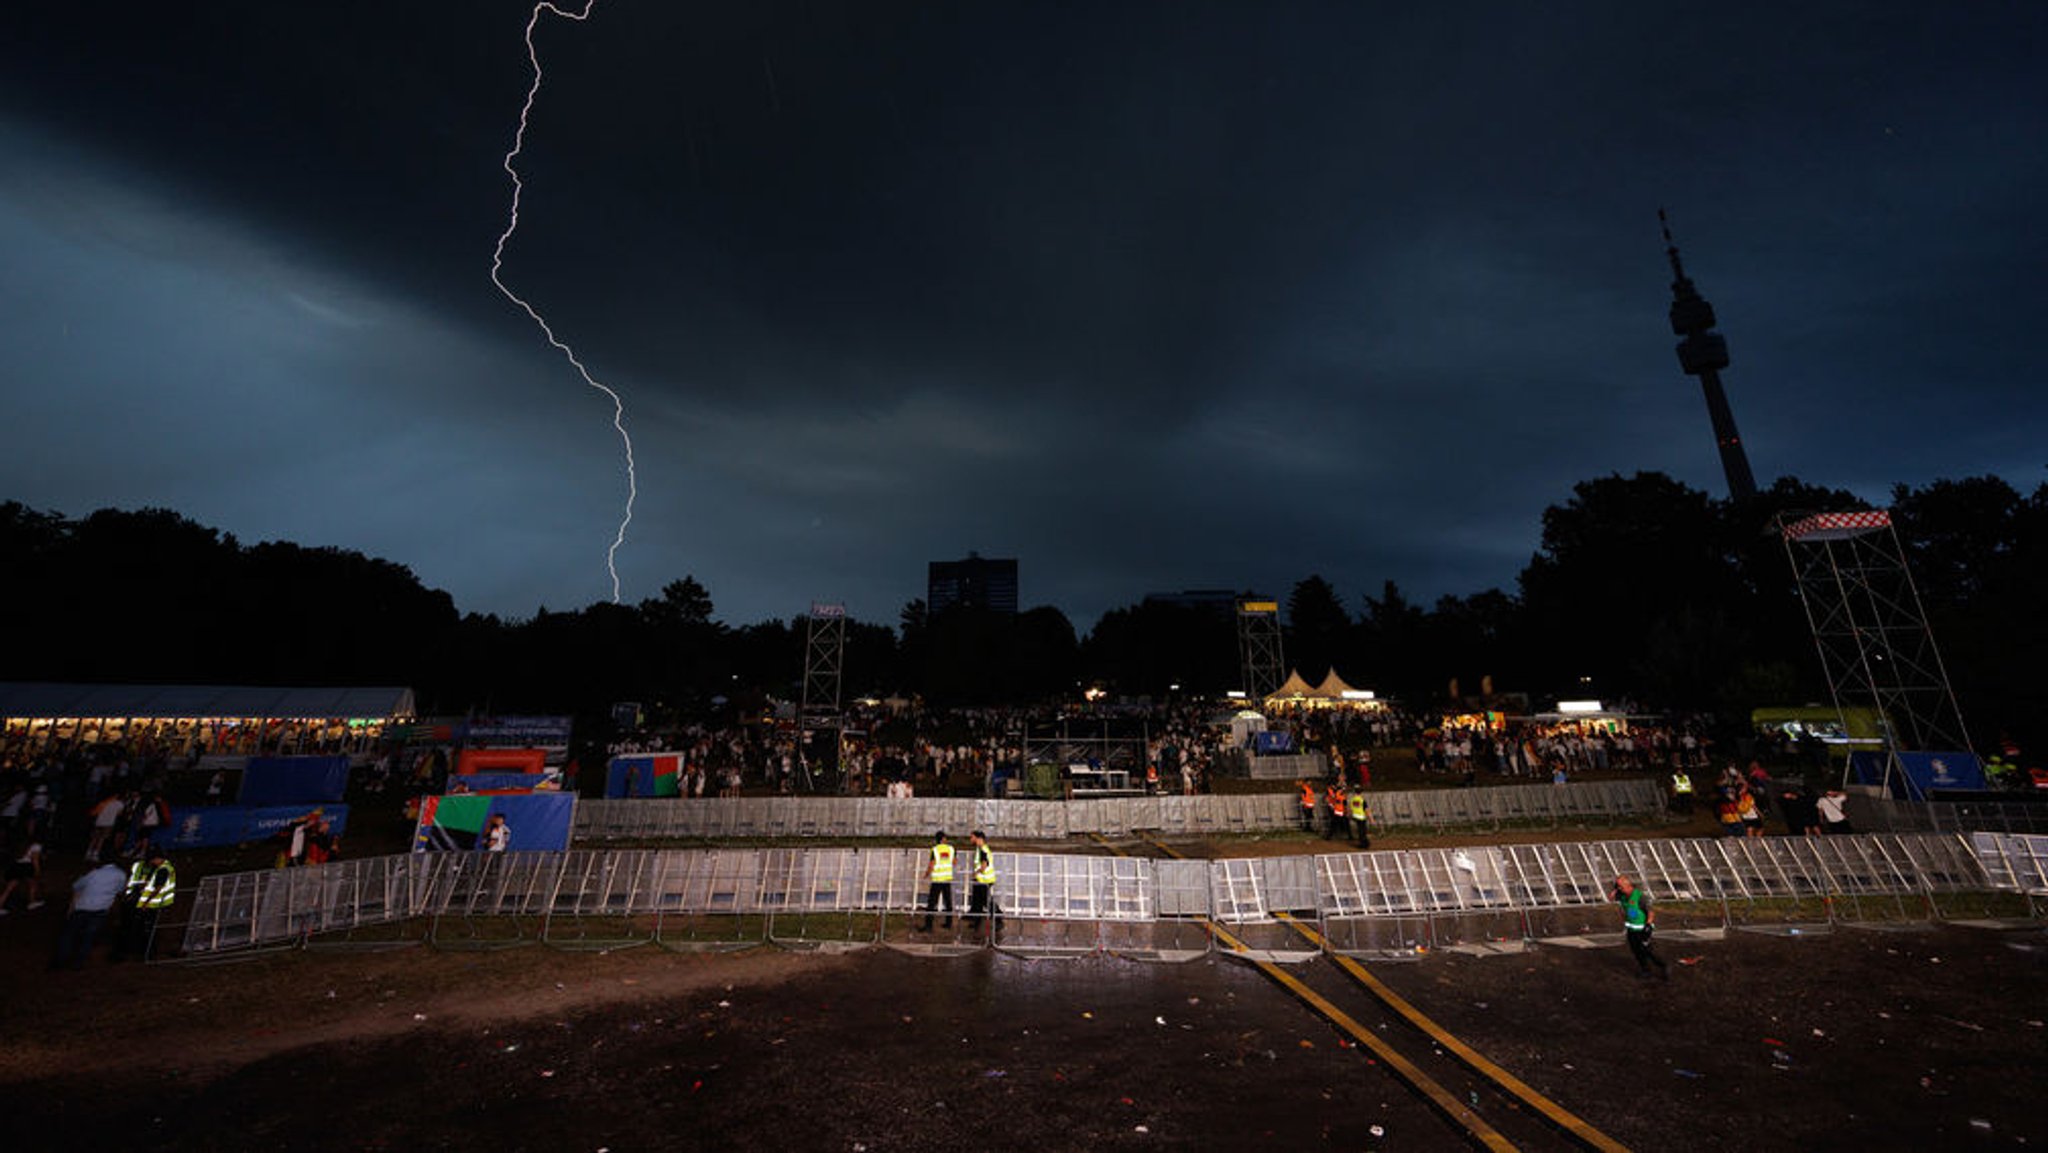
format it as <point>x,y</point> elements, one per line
<point>818,709</point>
<point>1258,647</point>
<point>1876,648</point>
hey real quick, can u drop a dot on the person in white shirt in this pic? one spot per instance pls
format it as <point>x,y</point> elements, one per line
<point>497,834</point>
<point>27,867</point>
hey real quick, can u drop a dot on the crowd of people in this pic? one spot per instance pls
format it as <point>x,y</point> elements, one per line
<point>1743,802</point>
<point>1167,749</point>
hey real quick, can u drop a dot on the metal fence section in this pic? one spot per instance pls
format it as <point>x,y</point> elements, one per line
<point>2015,862</point>
<point>1406,899</point>
<point>1988,816</point>
<point>1495,806</point>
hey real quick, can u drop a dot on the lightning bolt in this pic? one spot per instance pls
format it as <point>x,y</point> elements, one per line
<point>498,259</point>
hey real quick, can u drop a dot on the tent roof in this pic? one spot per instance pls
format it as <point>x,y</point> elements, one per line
<point>1293,686</point>
<point>1333,686</point>
<point>45,699</point>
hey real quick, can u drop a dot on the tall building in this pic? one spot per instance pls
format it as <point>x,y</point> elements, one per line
<point>985,583</point>
<point>1704,353</point>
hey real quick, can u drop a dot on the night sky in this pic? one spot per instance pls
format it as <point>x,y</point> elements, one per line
<point>1150,296</point>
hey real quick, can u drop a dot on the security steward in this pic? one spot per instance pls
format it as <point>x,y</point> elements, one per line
<point>938,870</point>
<point>152,886</point>
<point>1333,797</point>
<point>1640,922</point>
<point>981,897</point>
<point>1681,793</point>
<point>1361,818</point>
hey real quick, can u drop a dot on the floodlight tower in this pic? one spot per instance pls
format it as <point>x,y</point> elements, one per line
<point>1704,353</point>
<point>1870,629</point>
<point>1258,647</point>
<point>824,669</point>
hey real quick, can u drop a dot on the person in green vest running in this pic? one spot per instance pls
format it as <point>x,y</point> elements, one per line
<point>981,893</point>
<point>1640,921</point>
<point>938,870</point>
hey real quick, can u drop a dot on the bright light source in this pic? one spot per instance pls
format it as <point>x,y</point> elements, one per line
<point>1235,694</point>
<point>1578,706</point>
<point>1358,694</point>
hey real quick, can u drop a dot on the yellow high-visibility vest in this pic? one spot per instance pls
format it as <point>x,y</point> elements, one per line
<point>942,862</point>
<point>1357,802</point>
<point>153,888</point>
<point>984,865</point>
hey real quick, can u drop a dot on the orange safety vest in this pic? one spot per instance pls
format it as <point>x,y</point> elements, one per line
<point>1308,796</point>
<point>1335,796</point>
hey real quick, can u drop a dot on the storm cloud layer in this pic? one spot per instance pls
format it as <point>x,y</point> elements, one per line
<point>1150,296</point>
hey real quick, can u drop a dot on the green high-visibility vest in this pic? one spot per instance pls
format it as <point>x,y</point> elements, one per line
<point>1680,783</point>
<point>1633,915</point>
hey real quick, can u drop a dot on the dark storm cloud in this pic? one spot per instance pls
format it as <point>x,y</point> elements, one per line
<point>1148,295</point>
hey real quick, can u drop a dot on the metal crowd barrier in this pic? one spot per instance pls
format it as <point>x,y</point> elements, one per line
<point>1401,900</point>
<point>1988,816</point>
<point>2017,862</point>
<point>1495,806</point>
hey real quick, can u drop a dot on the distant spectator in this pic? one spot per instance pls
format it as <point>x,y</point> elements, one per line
<point>1750,813</point>
<point>106,817</point>
<point>1833,807</point>
<point>26,867</point>
<point>497,836</point>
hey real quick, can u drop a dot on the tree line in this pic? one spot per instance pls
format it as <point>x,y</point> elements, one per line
<point>1641,587</point>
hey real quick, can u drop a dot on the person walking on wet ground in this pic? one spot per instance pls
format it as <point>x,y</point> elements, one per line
<point>938,872</point>
<point>1360,814</point>
<point>1640,921</point>
<point>92,899</point>
<point>982,911</point>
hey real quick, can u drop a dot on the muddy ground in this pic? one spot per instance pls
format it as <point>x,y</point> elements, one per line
<point>1856,1039</point>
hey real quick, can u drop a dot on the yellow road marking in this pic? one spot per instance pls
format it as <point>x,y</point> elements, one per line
<point>1559,1116</point>
<point>1443,1099</point>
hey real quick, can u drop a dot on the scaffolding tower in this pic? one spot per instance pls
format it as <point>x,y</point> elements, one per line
<point>818,708</point>
<point>1876,648</point>
<point>1258,648</point>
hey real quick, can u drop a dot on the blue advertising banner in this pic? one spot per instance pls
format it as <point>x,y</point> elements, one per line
<point>522,732</point>
<point>535,822</point>
<point>291,780</point>
<point>1273,741</point>
<point>220,825</point>
<point>1929,771</point>
<point>1923,772</point>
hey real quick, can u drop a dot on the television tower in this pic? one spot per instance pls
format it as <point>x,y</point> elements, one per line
<point>1704,353</point>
